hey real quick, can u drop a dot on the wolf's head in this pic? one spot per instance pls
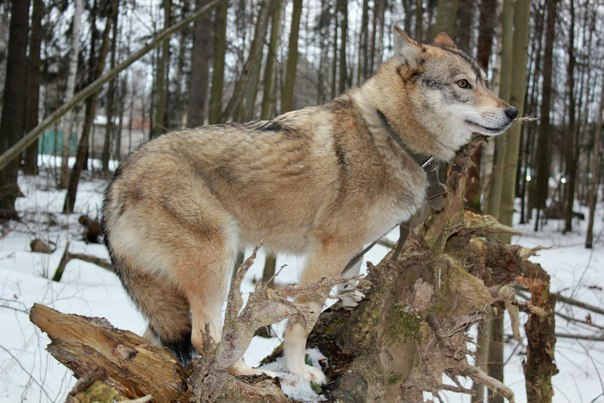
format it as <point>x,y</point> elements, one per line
<point>435,96</point>
<point>451,86</point>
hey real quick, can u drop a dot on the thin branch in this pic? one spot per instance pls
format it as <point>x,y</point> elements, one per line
<point>235,301</point>
<point>479,376</point>
<point>584,305</point>
<point>579,337</point>
<point>566,300</point>
<point>41,386</point>
<point>105,264</point>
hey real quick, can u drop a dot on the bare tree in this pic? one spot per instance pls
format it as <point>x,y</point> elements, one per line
<point>34,77</point>
<point>289,83</point>
<point>198,90</point>
<point>220,24</point>
<point>13,104</point>
<point>161,85</point>
<point>595,169</point>
<point>544,144</point>
<point>96,65</point>
<point>67,124</point>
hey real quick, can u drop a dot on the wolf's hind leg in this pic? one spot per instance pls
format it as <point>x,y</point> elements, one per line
<point>203,272</point>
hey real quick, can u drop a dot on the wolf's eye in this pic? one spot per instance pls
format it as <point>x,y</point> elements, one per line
<point>463,83</point>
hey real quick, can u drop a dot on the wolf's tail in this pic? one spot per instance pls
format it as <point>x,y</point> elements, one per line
<point>166,308</point>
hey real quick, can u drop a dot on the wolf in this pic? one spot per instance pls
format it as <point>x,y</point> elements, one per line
<point>322,181</point>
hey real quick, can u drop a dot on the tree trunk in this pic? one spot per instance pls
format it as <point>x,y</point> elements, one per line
<point>544,146</point>
<point>496,350</point>
<point>97,63</point>
<point>571,153</point>
<point>289,83</point>
<point>198,90</point>
<point>268,93</point>
<point>268,108</point>
<point>13,104</point>
<point>465,19</point>
<point>241,104</point>
<point>334,57</point>
<point>362,73</point>
<point>493,198</point>
<point>342,10</point>
<point>215,107</point>
<point>158,126</point>
<point>481,357</point>
<point>517,98</point>
<point>34,75</point>
<point>419,20</point>
<point>595,171</point>
<point>539,366</point>
<point>67,125</point>
<point>488,14</point>
<point>141,368</point>
<point>247,107</point>
<point>445,18</point>
<point>111,101</point>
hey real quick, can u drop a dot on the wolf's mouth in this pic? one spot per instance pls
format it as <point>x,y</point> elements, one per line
<point>494,130</point>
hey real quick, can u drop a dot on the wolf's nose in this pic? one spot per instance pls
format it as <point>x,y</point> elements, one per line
<point>511,112</point>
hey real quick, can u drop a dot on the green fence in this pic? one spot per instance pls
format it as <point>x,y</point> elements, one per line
<point>51,143</point>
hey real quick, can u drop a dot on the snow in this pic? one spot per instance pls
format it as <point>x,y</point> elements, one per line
<point>29,373</point>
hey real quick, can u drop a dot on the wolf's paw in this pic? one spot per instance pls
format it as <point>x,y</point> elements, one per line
<point>311,374</point>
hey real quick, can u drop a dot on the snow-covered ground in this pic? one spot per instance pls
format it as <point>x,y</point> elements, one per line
<point>29,373</point>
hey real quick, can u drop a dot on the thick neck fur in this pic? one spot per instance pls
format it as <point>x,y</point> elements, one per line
<point>393,91</point>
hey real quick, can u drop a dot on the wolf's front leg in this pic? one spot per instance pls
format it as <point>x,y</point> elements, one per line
<point>326,260</point>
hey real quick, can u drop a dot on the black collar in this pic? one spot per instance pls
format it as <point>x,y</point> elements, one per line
<point>426,161</point>
<point>436,190</point>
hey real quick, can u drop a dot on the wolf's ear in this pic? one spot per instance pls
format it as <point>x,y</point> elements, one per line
<point>444,40</point>
<point>406,49</point>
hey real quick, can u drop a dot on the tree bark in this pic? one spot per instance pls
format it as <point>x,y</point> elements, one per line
<point>445,18</point>
<point>67,124</point>
<point>342,10</point>
<point>486,31</point>
<point>131,365</point>
<point>200,63</point>
<point>34,75</point>
<point>241,104</point>
<point>465,18</point>
<point>493,197</point>
<point>362,73</point>
<point>13,104</point>
<point>544,146</point>
<point>269,104</point>
<point>215,107</point>
<point>517,98</point>
<point>595,171</point>
<point>571,153</point>
<point>161,84</point>
<point>110,128</point>
<point>289,83</point>
<point>539,366</point>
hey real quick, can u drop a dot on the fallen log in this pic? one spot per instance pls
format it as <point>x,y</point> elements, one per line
<point>94,349</point>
